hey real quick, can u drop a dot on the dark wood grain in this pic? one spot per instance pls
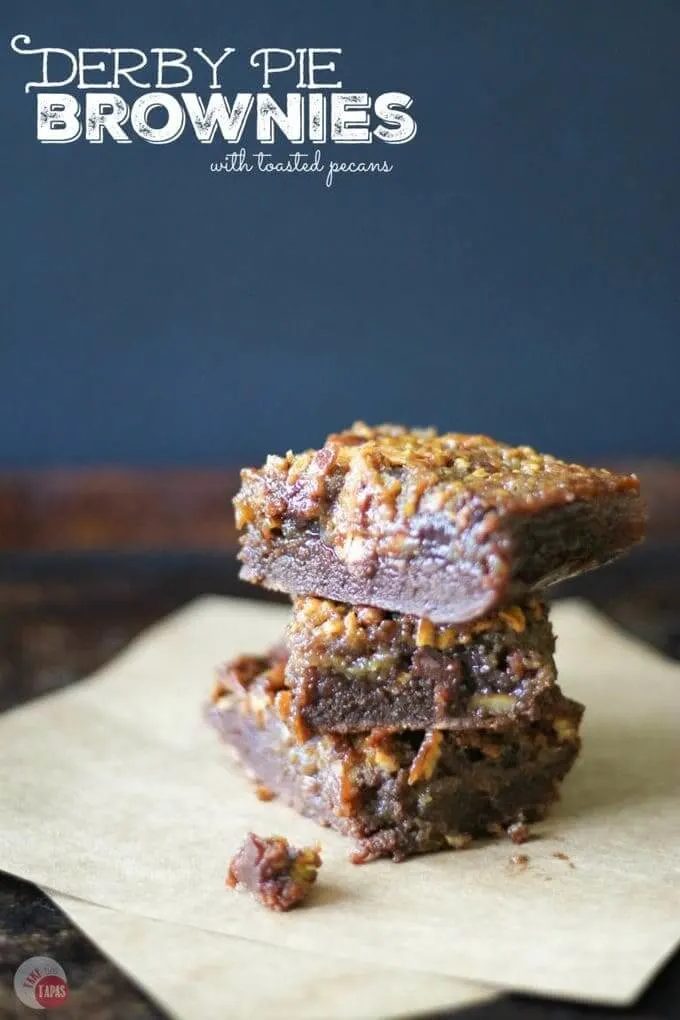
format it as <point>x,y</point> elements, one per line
<point>116,508</point>
<point>124,509</point>
<point>31,925</point>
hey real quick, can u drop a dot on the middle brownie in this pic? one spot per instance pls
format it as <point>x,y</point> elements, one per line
<point>356,668</point>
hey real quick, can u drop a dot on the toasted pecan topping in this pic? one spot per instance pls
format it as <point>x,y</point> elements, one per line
<point>425,761</point>
<point>236,676</point>
<point>514,617</point>
<point>358,630</point>
<point>366,484</point>
<point>425,633</point>
<point>493,704</point>
<point>246,671</point>
<point>381,756</point>
<point>263,792</point>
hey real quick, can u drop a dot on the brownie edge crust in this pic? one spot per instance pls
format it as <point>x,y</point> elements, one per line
<point>447,527</point>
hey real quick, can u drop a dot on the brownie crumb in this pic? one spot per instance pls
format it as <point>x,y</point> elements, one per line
<point>564,857</point>
<point>263,792</point>
<point>521,860</point>
<point>519,832</point>
<point>278,875</point>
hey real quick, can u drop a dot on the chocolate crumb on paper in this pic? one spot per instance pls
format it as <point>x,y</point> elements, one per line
<point>519,832</point>
<point>561,856</point>
<point>277,874</point>
<point>263,792</point>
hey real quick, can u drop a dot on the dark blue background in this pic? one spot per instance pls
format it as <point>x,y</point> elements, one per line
<point>518,273</point>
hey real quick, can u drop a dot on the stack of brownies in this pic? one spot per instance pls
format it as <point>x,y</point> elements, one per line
<point>413,704</point>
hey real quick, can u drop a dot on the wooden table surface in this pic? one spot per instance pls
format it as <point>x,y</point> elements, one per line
<point>72,596</point>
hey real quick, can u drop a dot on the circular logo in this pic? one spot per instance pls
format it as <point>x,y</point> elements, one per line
<point>41,983</point>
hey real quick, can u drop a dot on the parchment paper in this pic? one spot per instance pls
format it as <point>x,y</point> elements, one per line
<point>116,792</point>
<point>200,975</point>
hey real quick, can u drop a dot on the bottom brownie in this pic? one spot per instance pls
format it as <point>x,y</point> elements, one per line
<point>406,792</point>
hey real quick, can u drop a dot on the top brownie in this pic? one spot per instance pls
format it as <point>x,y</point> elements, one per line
<point>447,527</point>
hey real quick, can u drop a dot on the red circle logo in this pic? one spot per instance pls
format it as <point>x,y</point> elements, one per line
<point>40,983</point>
<point>51,991</point>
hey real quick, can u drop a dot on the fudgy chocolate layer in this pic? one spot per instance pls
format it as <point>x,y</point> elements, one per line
<point>403,793</point>
<point>446,527</point>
